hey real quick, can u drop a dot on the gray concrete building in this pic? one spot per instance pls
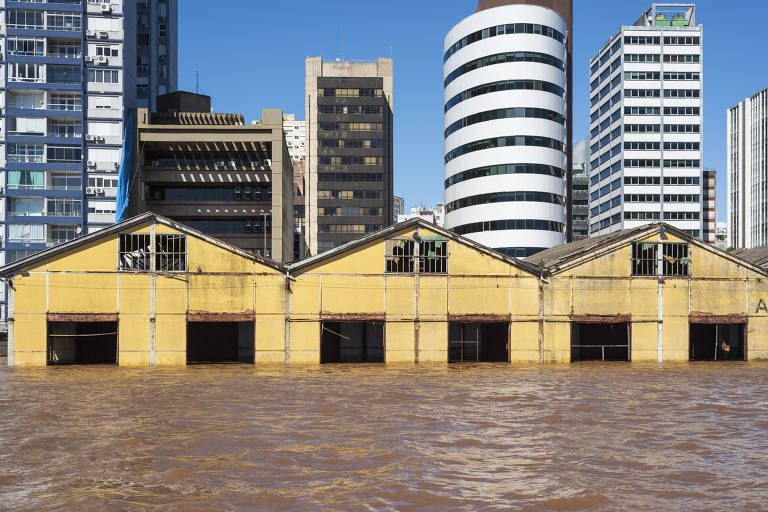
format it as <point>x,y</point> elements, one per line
<point>348,110</point>
<point>218,175</point>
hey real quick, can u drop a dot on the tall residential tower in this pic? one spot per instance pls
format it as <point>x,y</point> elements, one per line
<point>507,125</point>
<point>748,172</point>
<point>69,76</point>
<point>646,124</point>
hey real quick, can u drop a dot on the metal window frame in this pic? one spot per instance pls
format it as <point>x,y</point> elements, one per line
<point>420,262</point>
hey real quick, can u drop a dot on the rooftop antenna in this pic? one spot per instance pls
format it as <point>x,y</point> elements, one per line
<point>341,34</point>
<point>197,82</point>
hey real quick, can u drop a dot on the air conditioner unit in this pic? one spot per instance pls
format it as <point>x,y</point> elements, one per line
<point>103,35</point>
<point>162,19</point>
<point>88,58</point>
<point>90,138</point>
<point>91,164</point>
<point>106,7</point>
<point>99,138</point>
<point>90,33</point>
<point>98,190</point>
<point>89,191</point>
<point>102,59</point>
<point>117,165</point>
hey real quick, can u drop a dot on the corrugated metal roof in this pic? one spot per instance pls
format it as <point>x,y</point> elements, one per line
<point>757,255</point>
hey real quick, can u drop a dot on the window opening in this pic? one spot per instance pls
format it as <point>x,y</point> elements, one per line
<point>422,256</point>
<point>134,252</point>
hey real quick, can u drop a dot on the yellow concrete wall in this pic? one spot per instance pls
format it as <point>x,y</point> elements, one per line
<point>524,342</point>
<point>305,342</point>
<point>644,342</point>
<point>133,340</point>
<point>433,342</point>
<point>399,342</point>
<point>171,339</point>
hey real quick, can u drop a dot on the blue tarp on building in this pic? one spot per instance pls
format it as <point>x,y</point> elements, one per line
<point>124,176</point>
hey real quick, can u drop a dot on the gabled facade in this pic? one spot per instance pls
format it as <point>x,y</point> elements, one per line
<point>149,291</point>
<point>660,285</point>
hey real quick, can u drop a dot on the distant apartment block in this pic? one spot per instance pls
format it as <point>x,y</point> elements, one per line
<point>295,137</point>
<point>579,192</point>
<point>157,50</point>
<point>709,206</point>
<point>747,172</point>
<point>215,174</point>
<point>434,215</point>
<point>398,207</point>
<point>349,142</point>
<point>646,124</point>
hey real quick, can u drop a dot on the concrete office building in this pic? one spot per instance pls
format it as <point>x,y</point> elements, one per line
<point>67,81</point>
<point>748,172</point>
<point>646,121</point>
<point>217,175</point>
<point>349,128</point>
<point>579,191</point>
<point>507,125</point>
<point>434,216</point>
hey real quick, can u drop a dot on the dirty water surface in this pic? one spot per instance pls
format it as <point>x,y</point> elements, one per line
<point>348,438</point>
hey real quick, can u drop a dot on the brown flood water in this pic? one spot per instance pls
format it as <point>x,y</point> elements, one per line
<point>349,438</point>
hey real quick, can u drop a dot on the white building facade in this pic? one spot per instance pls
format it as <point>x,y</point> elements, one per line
<point>506,137</point>
<point>748,172</point>
<point>646,121</point>
<point>295,137</point>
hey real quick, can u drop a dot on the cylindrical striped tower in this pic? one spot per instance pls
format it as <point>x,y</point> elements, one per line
<point>506,128</point>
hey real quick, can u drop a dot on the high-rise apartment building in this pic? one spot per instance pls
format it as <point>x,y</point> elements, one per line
<point>295,137</point>
<point>398,207</point>
<point>69,77</point>
<point>646,124</point>
<point>507,125</point>
<point>157,50</point>
<point>349,130</point>
<point>748,172</point>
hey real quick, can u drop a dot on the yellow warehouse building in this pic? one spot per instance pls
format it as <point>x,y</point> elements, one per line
<point>150,291</point>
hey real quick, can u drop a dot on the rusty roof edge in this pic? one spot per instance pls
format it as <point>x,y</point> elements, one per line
<point>569,261</point>
<point>19,265</point>
<point>522,265</point>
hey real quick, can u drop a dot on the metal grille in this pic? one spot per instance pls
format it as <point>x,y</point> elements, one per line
<point>644,258</point>
<point>433,257</point>
<point>134,252</point>
<point>171,253</point>
<point>677,260</point>
<point>400,256</point>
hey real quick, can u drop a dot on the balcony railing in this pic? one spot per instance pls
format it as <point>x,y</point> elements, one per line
<point>27,159</point>
<point>233,165</point>
<point>44,187</point>
<point>68,2</point>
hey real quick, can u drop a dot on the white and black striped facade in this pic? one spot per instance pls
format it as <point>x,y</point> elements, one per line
<point>506,128</point>
<point>646,124</point>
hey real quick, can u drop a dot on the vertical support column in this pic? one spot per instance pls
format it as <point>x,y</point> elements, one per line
<point>417,314</point>
<point>152,291</point>
<point>660,303</point>
<point>10,314</point>
<point>287,302</point>
<point>541,320</point>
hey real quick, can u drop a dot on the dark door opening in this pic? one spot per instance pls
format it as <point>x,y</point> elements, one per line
<point>82,343</point>
<point>600,341</point>
<point>706,342</point>
<point>220,342</point>
<point>478,342</point>
<point>352,342</point>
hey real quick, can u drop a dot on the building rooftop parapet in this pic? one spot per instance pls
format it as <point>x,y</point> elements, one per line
<point>197,118</point>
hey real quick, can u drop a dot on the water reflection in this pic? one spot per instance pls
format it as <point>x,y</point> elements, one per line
<point>479,437</point>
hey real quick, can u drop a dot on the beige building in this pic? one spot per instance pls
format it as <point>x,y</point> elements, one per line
<point>349,142</point>
<point>215,174</point>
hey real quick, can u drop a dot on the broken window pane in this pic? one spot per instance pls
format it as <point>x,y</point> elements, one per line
<point>400,256</point>
<point>134,252</point>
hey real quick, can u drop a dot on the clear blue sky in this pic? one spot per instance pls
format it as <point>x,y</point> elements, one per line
<point>250,56</point>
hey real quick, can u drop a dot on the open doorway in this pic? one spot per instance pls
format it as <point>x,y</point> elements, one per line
<point>352,342</point>
<point>600,341</point>
<point>717,342</point>
<point>82,343</point>
<point>220,342</point>
<point>478,342</point>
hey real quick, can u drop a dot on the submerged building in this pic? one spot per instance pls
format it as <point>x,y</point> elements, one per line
<point>646,124</point>
<point>507,103</point>
<point>150,291</point>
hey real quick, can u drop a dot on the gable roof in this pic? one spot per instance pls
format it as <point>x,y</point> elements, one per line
<point>19,265</point>
<point>757,255</point>
<point>565,256</point>
<point>414,224</point>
